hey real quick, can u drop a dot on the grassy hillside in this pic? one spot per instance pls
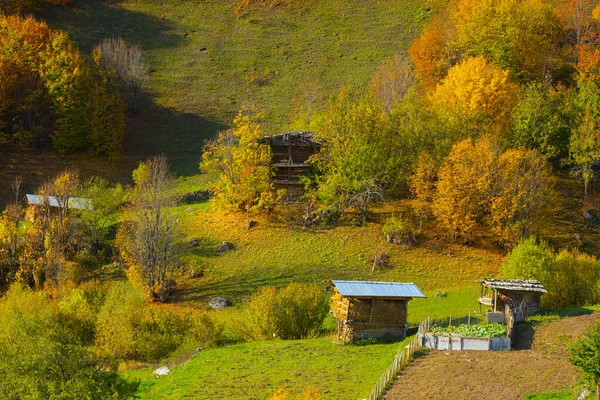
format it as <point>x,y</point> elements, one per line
<point>206,64</point>
<point>254,370</point>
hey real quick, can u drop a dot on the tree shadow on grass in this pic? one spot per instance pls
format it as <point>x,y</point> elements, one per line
<point>233,288</point>
<point>90,21</point>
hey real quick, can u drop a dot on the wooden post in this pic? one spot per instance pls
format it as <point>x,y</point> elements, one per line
<point>469,320</point>
<point>495,298</point>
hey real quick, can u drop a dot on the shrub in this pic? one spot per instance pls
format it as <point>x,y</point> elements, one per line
<point>571,278</point>
<point>293,312</point>
<point>528,260</point>
<point>397,230</point>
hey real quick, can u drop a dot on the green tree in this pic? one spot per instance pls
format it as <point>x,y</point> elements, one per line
<point>584,146</point>
<point>585,355</point>
<point>42,359</point>
<point>358,162</point>
<point>541,120</point>
<point>106,201</point>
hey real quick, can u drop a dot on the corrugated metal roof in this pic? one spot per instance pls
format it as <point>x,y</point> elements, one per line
<point>377,289</point>
<point>77,203</point>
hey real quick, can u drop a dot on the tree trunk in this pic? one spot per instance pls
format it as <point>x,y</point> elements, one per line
<point>598,391</point>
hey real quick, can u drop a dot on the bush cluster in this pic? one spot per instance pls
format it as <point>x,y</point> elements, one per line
<point>571,278</point>
<point>293,312</point>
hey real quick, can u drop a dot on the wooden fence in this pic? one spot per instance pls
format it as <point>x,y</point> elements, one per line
<point>401,360</point>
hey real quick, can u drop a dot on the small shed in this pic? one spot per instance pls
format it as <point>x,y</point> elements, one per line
<point>289,156</point>
<point>520,298</point>
<point>372,309</point>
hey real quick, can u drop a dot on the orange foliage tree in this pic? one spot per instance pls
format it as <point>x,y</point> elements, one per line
<point>433,53</point>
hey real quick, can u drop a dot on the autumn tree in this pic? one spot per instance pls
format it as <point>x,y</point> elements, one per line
<point>148,243</point>
<point>577,18</point>
<point>475,97</point>
<point>51,95</point>
<point>433,53</point>
<point>521,195</point>
<point>463,188</point>
<point>521,36</point>
<point>238,166</point>
<point>422,185</point>
<point>391,81</point>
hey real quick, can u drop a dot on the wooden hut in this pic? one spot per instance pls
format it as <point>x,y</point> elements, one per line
<point>289,156</point>
<point>372,309</point>
<point>519,298</point>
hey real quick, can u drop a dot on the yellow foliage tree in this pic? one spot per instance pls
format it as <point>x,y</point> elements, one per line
<point>522,36</point>
<point>475,96</point>
<point>422,185</point>
<point>238,166</point>
<point>465,182</point>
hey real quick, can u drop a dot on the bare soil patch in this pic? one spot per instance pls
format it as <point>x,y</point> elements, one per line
<point>543,367</point>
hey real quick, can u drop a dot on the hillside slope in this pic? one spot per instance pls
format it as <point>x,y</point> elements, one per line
<point>206,64</point>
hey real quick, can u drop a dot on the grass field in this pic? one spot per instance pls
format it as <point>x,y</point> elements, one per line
<point>254,370</point>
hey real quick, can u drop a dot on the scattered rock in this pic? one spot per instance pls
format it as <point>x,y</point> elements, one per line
<point>592,215</point>
<point>189,209</point>
<point>443,293</point>
<point>194,197</point>
<point>199,349</point>
<point>194,243</point>
<point>224,247</point>
<point>195,273</point>
<point>162,371</point>
<point>219,303</point>
<point>252,224</point>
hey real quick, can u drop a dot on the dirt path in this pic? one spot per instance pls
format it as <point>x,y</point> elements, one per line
<point>541,366</point>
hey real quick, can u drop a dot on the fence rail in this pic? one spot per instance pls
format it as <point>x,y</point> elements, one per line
<point>401,360</point>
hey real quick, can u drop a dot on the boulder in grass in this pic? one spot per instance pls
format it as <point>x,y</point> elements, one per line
<point>219,303</point>
<point>162,371</point>
<point>224,247</point>
<point>592,215</point>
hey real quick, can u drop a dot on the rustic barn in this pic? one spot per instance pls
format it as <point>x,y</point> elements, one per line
<point>289,156</point>
<point>372,309</point>
<point>516,299</point>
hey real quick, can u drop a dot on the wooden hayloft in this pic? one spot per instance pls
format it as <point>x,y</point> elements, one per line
<point>289,156</point>
<point>372,309</point>
<point>519,297</point>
